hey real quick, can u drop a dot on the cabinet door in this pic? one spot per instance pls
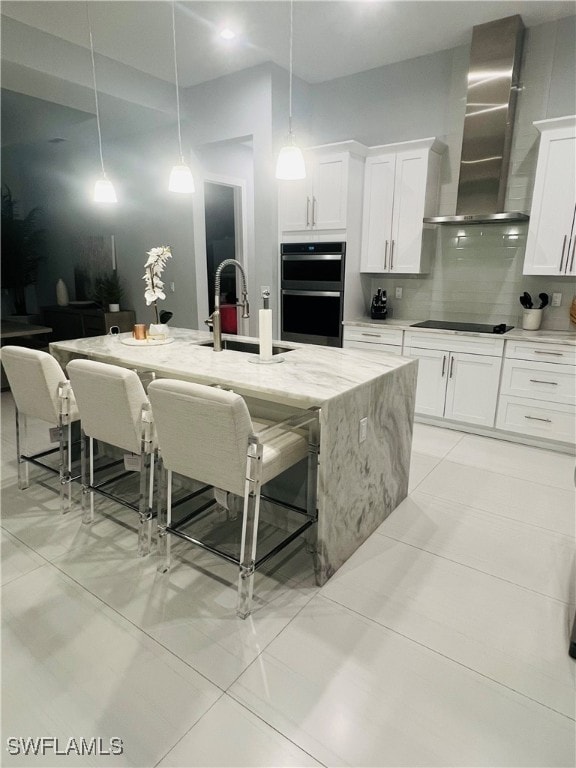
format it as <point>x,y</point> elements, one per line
<point>295,205</point>
<point>377,214</point>
<point>407,222</point>
<point>472,388</point>
<point>432,376</point>
<point>330,192</point>
<point>551,243</point>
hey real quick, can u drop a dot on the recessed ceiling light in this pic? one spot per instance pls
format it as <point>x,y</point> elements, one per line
<point>227,34</point>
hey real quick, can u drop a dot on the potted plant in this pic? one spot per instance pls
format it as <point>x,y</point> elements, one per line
<point>108,290</point>
<point>23,248</point>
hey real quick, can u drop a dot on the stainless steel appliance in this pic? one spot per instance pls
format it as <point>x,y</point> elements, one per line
<point>448,325</point>
<point>312,292</point>
<point>493,84</point>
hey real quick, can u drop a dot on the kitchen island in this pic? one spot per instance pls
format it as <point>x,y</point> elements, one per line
<point>366,416</point>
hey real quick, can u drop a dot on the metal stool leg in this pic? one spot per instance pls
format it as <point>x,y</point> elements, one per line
<point>144,508</point>
<point>21,448</point>
<point>250,520</point>
<point>87,479</point>
<point>164,517</point>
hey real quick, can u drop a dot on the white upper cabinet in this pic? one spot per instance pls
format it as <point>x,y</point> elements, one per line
<point>322,200</point>
<point>551,243</point>
<point>401,184</point>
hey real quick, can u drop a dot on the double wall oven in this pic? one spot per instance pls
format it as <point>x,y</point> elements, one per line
<point>312,292</point>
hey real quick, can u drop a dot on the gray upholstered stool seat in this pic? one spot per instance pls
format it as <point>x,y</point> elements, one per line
<point>207,434</point>
<point>41,390</point>
<point>114,409</point>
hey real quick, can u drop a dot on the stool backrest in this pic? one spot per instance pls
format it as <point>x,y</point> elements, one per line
<point>110,400</point>
<point>202,432</point>
<point>34,377</point>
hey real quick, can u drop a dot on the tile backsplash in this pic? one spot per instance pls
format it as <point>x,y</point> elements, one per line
<point>476,277</point>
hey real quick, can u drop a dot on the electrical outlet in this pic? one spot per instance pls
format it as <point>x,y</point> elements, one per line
<point>363,429</point>
<point>398,293</point>
<point>556,299</point>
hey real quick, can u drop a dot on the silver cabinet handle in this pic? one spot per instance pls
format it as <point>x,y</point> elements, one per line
<point>451,367</point>
<point>386,255</point>
<point>443,366</point>
<point>308,213</point>
<point>545,352</point>
<point>313,211</point>
<point>392,256</point>
<point>540,381</point>
<point>572,259</point>
<point>377,335</point>
<point>563,249</point>
<point>535,418</point>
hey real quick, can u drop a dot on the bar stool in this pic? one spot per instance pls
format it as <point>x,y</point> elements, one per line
<point>207,434</point>
<point>41,391</point>
<point>114,409</point>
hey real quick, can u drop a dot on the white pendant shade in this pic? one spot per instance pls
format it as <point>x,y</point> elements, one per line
<point>181,179</point>
<point>104,191</point>
<point>290,164</point>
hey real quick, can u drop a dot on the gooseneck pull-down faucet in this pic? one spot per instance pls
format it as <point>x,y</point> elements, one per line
<point>215,320</point>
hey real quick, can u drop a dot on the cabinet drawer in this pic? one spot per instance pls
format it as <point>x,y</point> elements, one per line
<point>553,421</point>
<point>564,354</point>
<point>455,342</point>
<point>541,381</point>
<point>389,349</point>
<point>373,335</point>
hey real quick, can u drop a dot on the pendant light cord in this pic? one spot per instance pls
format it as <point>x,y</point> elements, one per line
<point>290,67</point>
<point>176,80</point>
<point>95,88</point>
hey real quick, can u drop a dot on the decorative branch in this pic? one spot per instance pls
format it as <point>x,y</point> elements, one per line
<point>157,258</point>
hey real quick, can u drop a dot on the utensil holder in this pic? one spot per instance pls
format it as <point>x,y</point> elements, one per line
<point>531,319</point>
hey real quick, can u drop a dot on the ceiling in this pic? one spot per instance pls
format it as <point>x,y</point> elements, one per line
<point>332,38</point>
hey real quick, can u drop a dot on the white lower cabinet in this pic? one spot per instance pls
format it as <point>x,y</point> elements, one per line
<point>538,391</point>
<point>456,385</point>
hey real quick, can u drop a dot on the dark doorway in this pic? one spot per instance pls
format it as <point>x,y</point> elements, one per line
<point>221,245</point>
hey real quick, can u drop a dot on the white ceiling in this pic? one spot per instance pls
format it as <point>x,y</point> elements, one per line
<point>332,38</point>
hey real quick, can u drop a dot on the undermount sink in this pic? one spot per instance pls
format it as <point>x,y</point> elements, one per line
<point>252,347</point>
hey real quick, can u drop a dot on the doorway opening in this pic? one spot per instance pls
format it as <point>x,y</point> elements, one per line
<point>220,223</point>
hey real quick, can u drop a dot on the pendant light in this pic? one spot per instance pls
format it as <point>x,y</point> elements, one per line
<point>290,163</point>
<point>181,179</point>
<point>103,189</point>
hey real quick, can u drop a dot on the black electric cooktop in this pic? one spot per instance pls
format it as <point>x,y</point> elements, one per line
<point>447,325</point>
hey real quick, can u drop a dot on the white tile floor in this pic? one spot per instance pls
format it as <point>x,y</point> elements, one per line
<point>442,641</point>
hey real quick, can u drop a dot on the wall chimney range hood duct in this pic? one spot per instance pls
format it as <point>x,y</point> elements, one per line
<point>493,77</point>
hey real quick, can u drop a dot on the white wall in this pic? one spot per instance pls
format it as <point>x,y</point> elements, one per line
<point>480,278</point>
<point>412,99</point>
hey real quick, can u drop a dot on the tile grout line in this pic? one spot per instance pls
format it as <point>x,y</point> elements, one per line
<point>494,515</point>
<point>479,570</point>
<point>503,474</point>
<point>448,658</point>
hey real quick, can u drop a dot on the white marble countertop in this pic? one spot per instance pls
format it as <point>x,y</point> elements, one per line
<point>309,375</point>
<point>516,334</point>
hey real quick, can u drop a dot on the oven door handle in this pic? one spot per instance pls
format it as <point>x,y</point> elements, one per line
<point>311,293</point>
<point>311,257</point>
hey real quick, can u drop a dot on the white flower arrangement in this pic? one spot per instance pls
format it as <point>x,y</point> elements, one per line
<point>157,258</point>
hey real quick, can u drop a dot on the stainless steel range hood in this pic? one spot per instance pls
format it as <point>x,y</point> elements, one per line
<point>493,76</point>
